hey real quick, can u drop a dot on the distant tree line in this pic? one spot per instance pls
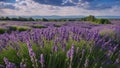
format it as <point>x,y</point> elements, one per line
<point>88,18</point>
<point>41,19</point>
<point>17,19</point>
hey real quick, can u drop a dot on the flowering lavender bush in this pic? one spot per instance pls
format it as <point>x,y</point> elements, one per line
<point>69,46</point>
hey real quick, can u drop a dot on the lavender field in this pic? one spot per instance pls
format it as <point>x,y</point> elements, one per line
<point>59,33</point>
<point>76,44</point>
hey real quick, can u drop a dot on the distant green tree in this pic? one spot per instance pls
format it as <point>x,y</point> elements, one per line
<point>37,19</point>
<point>95,20</point>
<point>31,19</point>
<point>14,19</point>
<point>22,19</point>
<point>2,30</point>
<point>44,19</point>
<point>2,18</point>
<point>102,21</point>
<point>7,18</point>
<point>90,18</point>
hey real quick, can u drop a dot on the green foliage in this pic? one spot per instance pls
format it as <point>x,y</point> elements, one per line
<point>56,25</point>
<point>90,18</point>
<point>53,20</point>
<point>3,23</point>
<point>22,19</point>
<point>23,54</point>
<point>2,30</point>
<point>22,28</point>
<point>17,19</point>
<point>111,34</point>
<point>7,18</point>
<point>108,32</point>
<point>31,19</point>
<point>4,18</point>
<point>38,26</point>
<point>14,19</point>
<point>44,19</point>
<point>12,28</point>
<point>102,21</point>
<point>95,20</point>
<point>18,28</point>
<point>11,54</point>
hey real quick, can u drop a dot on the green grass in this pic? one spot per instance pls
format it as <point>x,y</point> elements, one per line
<point>18,28</point>
<point>3,23</point>
<point>106,31</point>
<point>56,25</point>
<point>3,30</point>
<point>12,28</point>
<point>38,26</point>
<point>23,28</point>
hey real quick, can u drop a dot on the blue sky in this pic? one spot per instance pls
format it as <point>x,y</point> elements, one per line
<point>59,7</point>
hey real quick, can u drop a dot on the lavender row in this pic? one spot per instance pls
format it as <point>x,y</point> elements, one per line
<point>63,47</point>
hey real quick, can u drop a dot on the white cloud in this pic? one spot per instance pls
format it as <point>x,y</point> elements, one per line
<point>30,8</point>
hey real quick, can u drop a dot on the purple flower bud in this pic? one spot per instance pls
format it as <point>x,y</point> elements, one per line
<point>109,53</point>
<point>86,63</point>
<point>9,64</point>
<point>117,61</point>
<point>6,60</point>
<point>70,52</point>
<point>63,46</point>
<point>114,49</point>
<point>22,65</point>
<point>42,61</point>
<point>42,44</point>
<point>1,66</point>
<point>32,54</point>
<point>55,48</point>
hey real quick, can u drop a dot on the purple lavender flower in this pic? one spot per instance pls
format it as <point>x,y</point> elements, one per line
<point>114,49</point>
<point>63,45</point>
<point>1,66</point>
<point>56,41</point>
<point>42,44</point>
<point>117,61</point>
<point>86,63</point>
<point>22,65</point>
<point>106,43</point>
<point>70,52</point>
<point>83,51</point>
<point>109,53</point>
<point>55,48</point>
<point>6,60</point>
<point>9,64</point>
<point>32,55</point>
<point>42,61</point>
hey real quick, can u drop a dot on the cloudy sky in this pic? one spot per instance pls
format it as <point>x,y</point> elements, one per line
<point>59,7</point>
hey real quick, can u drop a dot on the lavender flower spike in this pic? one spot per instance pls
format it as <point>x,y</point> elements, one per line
<point>42,61</point>
<point>9,64</point>
<point>22,65</point>
<point>86,63</point>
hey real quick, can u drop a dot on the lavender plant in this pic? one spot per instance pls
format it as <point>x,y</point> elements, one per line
<point>59,47</point>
